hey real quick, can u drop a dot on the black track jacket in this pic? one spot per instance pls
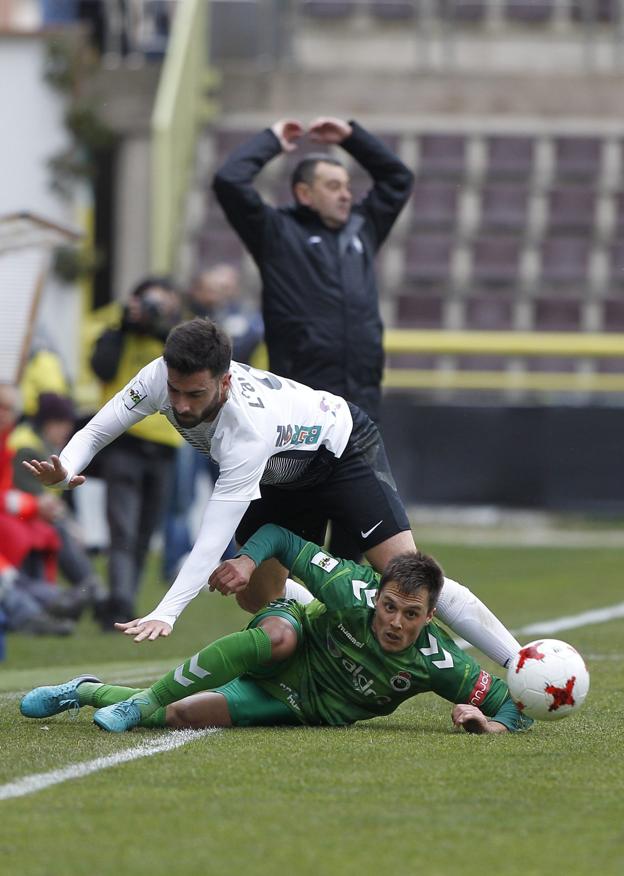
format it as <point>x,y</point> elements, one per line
<point>319,296</point>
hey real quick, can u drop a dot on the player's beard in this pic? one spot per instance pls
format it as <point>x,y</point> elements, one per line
<point>208,414</point>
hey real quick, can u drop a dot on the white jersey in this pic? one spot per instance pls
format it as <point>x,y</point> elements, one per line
<point>269,431</point>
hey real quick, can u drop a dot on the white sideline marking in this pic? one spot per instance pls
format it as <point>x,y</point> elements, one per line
<point>39,781</point>
<point>569,622</point>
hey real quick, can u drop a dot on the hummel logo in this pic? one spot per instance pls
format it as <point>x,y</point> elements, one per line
<point>372,529</point>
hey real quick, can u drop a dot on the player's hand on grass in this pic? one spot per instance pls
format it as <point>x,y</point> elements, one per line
<point>232,576</point>
<point>142,630</point>
<point>329,130</point>
<point>473,720</point>
<point>51,472</point>
<point>287,132</point>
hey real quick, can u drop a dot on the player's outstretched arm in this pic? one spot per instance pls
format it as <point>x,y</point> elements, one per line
<point>51,473</point>
<point>473,720</point>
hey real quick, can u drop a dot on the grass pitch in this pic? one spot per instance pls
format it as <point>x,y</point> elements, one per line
<point>401,795</point>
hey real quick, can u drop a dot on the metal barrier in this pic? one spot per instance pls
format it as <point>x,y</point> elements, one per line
<point>509,344</point>
<point>178,111</point>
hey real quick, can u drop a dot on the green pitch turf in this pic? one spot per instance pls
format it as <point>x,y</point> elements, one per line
<point>405,794</point>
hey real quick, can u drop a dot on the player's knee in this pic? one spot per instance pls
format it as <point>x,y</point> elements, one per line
<point>180,716</point>
<point>282,635</point>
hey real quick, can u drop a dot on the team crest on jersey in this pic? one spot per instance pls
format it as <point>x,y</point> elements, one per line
<point>401,681</point>
<point>324,561</point>
<point>135,394</point>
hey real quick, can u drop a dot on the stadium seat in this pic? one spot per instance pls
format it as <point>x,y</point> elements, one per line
<point>529,11</point>
<point>469,11</point>
<point>509,156</point>
<point>328,8</point>
<point>553,313</point>
<point>227,140</point>
<point>504,207</point>
<point>577,158</point>
<point>616,262</point>
<point>565,259</point>
<point>428,258</point>
<point>589,11</point>
<point>571,208</point>
<point>218,244</point>
<point>488,312</point>
<point>393,10</point>
<point>434,204</point>
<point>496,259</point>
<point>419,310</point>
<point>613,316</point>
<point>442,155</point>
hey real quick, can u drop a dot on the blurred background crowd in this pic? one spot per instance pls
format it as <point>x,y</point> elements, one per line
<point>501,286</point>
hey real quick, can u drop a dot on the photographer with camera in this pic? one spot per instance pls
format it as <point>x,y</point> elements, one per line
<point>137,468</point>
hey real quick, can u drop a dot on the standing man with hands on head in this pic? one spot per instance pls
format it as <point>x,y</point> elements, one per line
<point>316,258</point>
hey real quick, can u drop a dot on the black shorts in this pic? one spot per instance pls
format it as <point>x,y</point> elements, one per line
<point>358,492</point>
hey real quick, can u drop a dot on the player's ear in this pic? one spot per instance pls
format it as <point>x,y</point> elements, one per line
<point>301,191</point>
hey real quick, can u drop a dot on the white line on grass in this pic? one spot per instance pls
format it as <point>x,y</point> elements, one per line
<point>39,781</point>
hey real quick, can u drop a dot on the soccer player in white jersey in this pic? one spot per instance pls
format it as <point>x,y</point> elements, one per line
<point>287,454</point>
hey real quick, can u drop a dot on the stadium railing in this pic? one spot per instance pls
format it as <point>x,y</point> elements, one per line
<point>512,344</point>
<point>179,109</point>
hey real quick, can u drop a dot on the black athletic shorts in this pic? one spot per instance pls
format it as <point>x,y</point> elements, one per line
<point>358,491</point>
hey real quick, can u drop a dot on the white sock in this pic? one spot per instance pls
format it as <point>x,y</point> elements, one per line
<point>301,594</point>
<point>467,615</point>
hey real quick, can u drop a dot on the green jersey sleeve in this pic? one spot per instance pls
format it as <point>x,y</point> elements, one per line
<point>337,583</point>
<point>456,676</point>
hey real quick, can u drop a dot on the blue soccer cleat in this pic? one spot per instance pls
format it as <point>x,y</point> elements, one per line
<point>120,717</point>
<point>42,702</point>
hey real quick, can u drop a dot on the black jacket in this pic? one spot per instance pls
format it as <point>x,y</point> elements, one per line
<point>319,297</point>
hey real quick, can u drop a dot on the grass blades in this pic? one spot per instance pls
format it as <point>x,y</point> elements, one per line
<point>400,794</point>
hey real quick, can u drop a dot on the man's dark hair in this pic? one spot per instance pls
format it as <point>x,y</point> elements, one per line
<point>413,571</point>
<point>198,345</point>
<point>305,170</point>
<point>149,282</point>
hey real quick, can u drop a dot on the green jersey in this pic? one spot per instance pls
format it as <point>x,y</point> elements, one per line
<point>340,673</point>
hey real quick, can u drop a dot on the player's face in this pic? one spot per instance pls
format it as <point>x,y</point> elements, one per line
<point>329,194</point>
<point>196,398</point>
<point>399,618</point>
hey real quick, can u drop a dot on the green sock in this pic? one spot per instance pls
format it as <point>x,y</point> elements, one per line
<point>157,719</point>
<point>94,694</point>
<point>218,663</point>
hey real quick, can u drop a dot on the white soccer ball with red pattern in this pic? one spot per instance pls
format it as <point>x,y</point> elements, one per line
<point>548,679</point>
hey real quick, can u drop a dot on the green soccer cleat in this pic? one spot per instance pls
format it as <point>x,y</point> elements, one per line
<point>42,702</point>
<point>120,717</point>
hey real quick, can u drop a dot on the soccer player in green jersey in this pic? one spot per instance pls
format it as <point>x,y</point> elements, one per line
<point>363,646</point>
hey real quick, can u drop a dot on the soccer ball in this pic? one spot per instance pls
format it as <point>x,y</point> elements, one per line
<point>548,679</point>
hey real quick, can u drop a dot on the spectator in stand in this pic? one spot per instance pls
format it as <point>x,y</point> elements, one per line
<point>29,542</point>
<point>137,469</point>
<point>46,433</point>
<point>215,294</point>
<point>316,259</point>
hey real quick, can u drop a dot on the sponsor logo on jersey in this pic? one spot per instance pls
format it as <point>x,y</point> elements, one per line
<point>361,683</point>
<point>135,394</point>
<point>481,688</point>
<point>292,436</point>
<point>292,697</point>
<point>350,636</point>
<point>324,561</point>
<point>401,681</point>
